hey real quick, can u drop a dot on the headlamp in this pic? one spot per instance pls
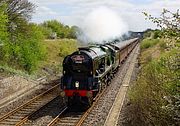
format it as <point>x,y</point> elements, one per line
<point>77,84</point>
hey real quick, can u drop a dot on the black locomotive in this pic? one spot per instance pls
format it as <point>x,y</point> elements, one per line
<point>90,69</point>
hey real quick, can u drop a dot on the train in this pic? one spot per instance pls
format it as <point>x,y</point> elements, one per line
<point>87,71</point>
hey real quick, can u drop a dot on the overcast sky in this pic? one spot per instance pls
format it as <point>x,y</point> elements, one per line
<point>72,12</point>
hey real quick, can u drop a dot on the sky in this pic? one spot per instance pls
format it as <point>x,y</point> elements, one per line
<point>72,12</point>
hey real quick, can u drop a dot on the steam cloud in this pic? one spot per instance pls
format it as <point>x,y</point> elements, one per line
<point>102,24</point>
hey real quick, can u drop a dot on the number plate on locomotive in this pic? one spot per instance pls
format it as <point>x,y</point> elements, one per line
<point>78,58</point>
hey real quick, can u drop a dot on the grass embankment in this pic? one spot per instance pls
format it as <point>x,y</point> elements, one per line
<point>56,50</point>
<point>155,96</point>
<point>150,49</point>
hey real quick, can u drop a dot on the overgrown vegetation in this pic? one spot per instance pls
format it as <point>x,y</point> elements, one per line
<point>156,90</point>
<point>57,50</point>
<point>21,47</point>
<point>67,48</point>
<point>3,29</point>
<point>22,43</point>
<point>147,43</point>
<point>155,96</point>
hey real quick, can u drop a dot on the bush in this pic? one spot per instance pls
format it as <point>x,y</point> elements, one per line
<point>156,93</point>
<point>147,33</point>
<point>32,51</point>
<point>20,43</point>
<point>162,45</point>
<point>46,31</point>
<point>157,34</point>
<point>26,52</point>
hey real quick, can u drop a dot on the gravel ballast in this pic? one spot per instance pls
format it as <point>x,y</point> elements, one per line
<point>23,91</point>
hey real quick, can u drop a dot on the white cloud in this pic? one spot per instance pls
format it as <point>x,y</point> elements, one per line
<point>42,10</point>
<point>73,11</point>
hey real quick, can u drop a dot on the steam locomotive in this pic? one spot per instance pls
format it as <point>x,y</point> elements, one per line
<point>90,69</point>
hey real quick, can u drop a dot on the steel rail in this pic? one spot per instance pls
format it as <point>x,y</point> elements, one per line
<point>57,117</point>
<point>80,122</point>
<point>36,98</point>
<point>84,115</point>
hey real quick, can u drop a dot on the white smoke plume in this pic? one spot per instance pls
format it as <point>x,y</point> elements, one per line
<point>102,24</point>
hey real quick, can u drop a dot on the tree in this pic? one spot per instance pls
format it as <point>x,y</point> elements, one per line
<point>156,93</point>
<point>169,24</point>
<point>22,47</point>
<point>62,31</point>
<point>72,32</point>
<point>31,50</point>
<point>3,29</point>
<point>19,12</point>
<point>157,34</point>
<point>55,26</point>
<point>46,31</point>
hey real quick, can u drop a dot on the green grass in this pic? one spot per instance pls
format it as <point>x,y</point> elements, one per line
<point>147,43</point>
<point>56,51</point>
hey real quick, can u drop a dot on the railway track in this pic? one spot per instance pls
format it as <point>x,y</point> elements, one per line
<point>69,117</point>
<point>21,114</point>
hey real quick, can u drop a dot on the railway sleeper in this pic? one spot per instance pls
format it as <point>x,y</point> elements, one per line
<point>68,120</point>
<point>12,120</point>
<point>17,117</point>
<point>29,107</point>
<point>64,124</point>
<point>27,110</point>
<point>72,118</point>
<point>34,104</point>
<point>23,112</point>
<point>7,123</point>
